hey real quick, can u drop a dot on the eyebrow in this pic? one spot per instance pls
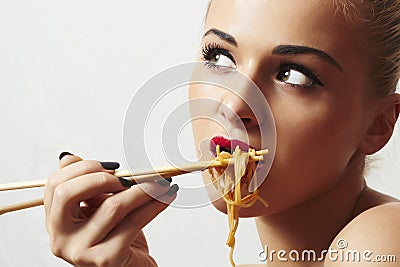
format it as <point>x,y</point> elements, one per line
<point>296,50</point>
<point>222,35</point>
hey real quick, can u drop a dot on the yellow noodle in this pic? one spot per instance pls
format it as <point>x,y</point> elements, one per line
<point>231,189</point>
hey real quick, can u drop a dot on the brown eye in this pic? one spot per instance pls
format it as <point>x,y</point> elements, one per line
<point>297,75</point>
<point>222,61</point>
<point>215,56</point>
<point>294,77</point>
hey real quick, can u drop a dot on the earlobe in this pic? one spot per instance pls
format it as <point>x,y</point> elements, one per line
<point>380,132</point>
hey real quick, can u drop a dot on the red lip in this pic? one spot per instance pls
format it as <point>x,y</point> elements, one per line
<point>230,145</point>
<point>227,144</point>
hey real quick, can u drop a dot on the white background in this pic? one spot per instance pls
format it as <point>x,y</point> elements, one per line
<point>68,70</point>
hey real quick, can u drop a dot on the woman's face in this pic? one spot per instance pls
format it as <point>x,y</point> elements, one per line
<point>309,65</point>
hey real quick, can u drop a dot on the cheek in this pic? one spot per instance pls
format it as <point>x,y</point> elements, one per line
<point>315,141</point>
<point>204,102</point>
<point>324,130</point>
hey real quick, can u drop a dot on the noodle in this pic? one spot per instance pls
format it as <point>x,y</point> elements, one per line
<point>230,188</point>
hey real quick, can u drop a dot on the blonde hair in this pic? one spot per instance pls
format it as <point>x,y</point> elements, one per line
<point>380,26</point>
<point>380,22</point>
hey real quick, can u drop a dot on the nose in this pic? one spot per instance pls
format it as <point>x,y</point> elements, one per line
<point>240,104</point>
<point>237,107</point>
<point>244,102</point>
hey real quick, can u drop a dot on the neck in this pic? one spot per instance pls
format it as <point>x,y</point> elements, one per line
<point>314,224</point>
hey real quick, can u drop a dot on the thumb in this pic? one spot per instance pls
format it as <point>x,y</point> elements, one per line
<point>67,158</point>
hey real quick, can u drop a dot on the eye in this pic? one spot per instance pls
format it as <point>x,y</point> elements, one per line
<point>297,75</point>
<point>215,56</point>
<point>222,61</point>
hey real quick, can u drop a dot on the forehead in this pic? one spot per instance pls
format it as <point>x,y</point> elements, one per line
<point>267,23</point>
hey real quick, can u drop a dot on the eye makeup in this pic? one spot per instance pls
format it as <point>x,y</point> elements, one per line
<point>285,69</point>
<point>219,58</point>
<point>212,52</point>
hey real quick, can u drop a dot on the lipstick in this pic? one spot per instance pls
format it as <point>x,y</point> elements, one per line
<point>227,145</point>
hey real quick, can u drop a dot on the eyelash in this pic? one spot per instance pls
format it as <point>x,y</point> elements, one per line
<point>211,49</point>
<point>288,65</point>
<point>214,49</point>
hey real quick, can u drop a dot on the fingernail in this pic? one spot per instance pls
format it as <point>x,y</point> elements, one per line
<point>174,188</point>
<point>165,182</point>
<point>126,183</point>
<point>63,154</point>
<point>110,165</point>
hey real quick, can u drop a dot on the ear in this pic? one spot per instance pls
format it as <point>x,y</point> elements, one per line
<point>383,125</point>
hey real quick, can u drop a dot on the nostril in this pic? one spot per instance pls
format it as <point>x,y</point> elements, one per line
<point>238,112</point>
<point>246,121</point>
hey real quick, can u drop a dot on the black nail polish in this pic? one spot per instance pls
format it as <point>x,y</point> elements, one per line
<point>174,188</point>
<point>126,183</point>
<point>110,165</point>
<point>63,154</point>
<point>165,182</point>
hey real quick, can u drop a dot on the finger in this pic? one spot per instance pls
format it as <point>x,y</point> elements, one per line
<point>89,206</point>
<point>67,158</point>
<point>71,171</point>
<point>116,207</point>
<point>68,195</point>
<point>114,256</point>
<point>127,231</point>
<point>96,201</point>
<point>124,236</point>
<point>80,168</point>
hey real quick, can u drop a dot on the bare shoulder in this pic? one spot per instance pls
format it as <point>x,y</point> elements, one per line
<point>377,223</point>
<point>372,239</point>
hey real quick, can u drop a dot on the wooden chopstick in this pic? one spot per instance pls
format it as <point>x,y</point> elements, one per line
<point>21,206</point>
<point>22,185</point>
<point>145,175</point>
<point>137,176</point>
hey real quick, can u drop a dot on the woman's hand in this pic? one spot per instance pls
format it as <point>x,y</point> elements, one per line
<point>93,219</point>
